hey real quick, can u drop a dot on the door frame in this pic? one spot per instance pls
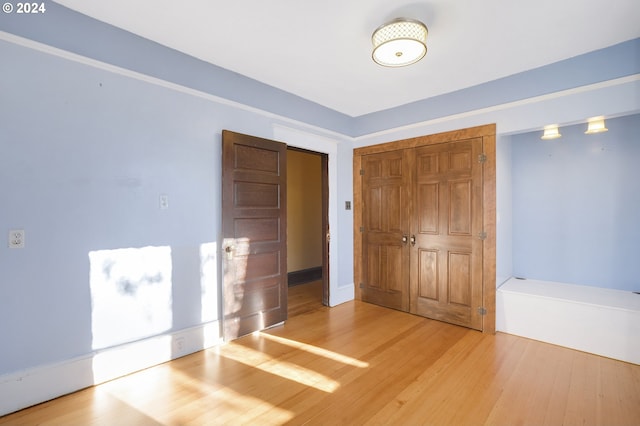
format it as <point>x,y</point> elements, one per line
<point>325,145</point>
<point>488,135</point>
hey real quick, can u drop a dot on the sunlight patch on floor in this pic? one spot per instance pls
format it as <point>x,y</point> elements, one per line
<point>219,403</point>
<point>286,370</point>
<point>236,405</point>
<point>344,359</point>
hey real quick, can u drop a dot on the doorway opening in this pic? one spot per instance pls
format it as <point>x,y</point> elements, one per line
<point>307,231</point>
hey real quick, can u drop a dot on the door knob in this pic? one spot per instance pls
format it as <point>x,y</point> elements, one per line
<point>405,238</point>
<point>413,240</point>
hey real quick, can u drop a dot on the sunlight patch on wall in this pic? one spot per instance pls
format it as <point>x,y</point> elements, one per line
<point>208,282</point>
<point>130,294</point>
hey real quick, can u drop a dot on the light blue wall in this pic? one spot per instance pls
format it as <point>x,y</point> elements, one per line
<point>77,33</point>
<point>576,206</point>
<point>504,220</point>
<point>344,231</point>
<point>86,154</point>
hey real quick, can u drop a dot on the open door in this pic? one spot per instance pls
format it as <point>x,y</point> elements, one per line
<point>325,229</point>
<point>254,232</point>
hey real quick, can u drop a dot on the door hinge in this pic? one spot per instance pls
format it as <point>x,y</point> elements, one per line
<point>482,158</point>
<point>361,172</point>
<point>482,311</point>
<point>362,229</point>
<point>361,285</point>
<point>482,235</point>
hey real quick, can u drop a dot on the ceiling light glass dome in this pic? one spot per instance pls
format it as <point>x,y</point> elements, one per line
<point>399,43</point>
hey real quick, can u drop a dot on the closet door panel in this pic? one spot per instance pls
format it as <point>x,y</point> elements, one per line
<point>446,261</point>
<point>386,204</point>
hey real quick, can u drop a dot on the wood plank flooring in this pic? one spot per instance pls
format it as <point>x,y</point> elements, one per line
<point>360,364</point>
<point>304,298</point>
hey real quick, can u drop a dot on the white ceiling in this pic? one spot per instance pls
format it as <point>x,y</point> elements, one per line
<point>321,50</point>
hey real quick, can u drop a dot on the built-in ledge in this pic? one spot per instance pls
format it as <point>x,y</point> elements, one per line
<point>597,320</point>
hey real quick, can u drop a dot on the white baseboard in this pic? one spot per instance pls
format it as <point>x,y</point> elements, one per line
<point>29,387</point>
<point>341,295</point>
<point>600,321</point>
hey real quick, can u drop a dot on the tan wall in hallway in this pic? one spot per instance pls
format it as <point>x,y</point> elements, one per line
<point>304,211</point>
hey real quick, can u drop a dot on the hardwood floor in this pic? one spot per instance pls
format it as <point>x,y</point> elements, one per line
<point>304,298</point>
<point>358,364</point>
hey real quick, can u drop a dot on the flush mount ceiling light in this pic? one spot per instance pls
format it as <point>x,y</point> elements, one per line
<point>551,132</point>
<point>596,125</point>
<point>399,42</point>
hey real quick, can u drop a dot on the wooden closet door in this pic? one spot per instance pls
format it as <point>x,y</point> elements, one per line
<point>385,251</point>
<point>446,260</point>
<point>447,189</point>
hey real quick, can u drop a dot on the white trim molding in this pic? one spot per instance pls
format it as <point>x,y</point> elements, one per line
<point>25,388</point>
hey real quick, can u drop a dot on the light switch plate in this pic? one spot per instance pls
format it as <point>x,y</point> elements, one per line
<point>16,238</point>
<point>164,201</point>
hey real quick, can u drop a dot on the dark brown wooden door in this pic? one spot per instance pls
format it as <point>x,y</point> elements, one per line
<point>254,217</point>
<point>446,260</point>
<point>385,253</point>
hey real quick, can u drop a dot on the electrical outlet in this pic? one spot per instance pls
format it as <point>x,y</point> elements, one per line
<point>178,344</point>
<point>16,238</point>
